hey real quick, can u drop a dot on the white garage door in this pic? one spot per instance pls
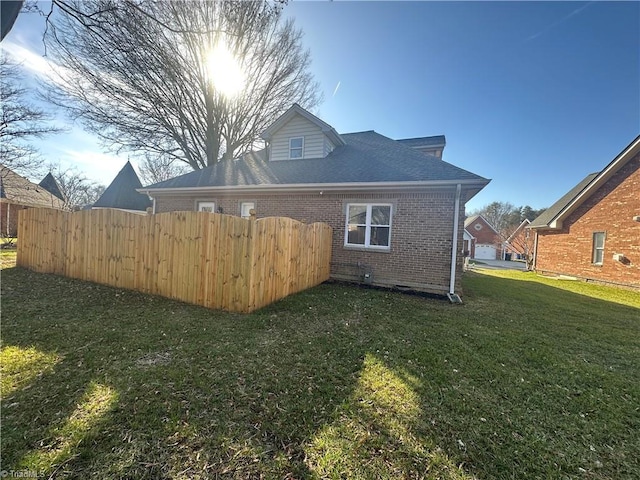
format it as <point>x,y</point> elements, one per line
<point>485,252</point>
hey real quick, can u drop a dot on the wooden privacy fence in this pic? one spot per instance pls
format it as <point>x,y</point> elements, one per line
<point>218,261</point>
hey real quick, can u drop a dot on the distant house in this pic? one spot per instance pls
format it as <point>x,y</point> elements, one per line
<point>122,193</point>
<point>593,232</point>
<point>519,245</point>
<point>468,243</point>
<point>487,244</point>
<point>18,193</point>
<point>396,208</point>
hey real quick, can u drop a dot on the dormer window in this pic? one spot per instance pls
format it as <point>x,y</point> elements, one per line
<point>296,147</point>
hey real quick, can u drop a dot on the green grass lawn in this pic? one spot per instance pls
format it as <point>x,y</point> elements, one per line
<point>529,378</point>
<point>7,258</point>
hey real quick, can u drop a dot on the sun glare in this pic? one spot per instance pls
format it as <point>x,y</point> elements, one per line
<point>224,71</point>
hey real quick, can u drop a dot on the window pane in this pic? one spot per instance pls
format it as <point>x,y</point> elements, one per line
<point>245,209</point>
<point>380,236</point>
<point>380,215</point>
<point>295,143</point>
<point>356,235</point>
<point>206,207</point>
<point>598,247</point>
<point>358,214</point>
<point>295,153</point>
<point>598,239</point>
<point>597,256</point>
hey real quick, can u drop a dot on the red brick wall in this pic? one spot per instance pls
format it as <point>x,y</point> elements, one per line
<point>611,210</point>
<point>422,226</point>
<point>485,235</point>
<point>13,219</point>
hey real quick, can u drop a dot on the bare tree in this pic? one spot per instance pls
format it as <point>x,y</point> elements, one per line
<point>77,189</point>
<point>144,78</point>
<point>158,169</point>
<point>503,216</point>
<point>20,121</point>
<point>521,242</point>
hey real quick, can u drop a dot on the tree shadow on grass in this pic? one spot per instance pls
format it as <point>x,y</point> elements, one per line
<point>198,393</point>
<point>530,381</point>
<point>334,382</point>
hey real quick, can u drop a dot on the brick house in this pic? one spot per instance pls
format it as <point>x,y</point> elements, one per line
<point>468,243</point>
<point>18,193</point>
<point>486,244</point>
<point>519,245</point>
<point>593,232</point>
<point>396,208</point>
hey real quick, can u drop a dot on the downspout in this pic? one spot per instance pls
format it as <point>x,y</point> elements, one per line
<point>454,248</point>
<point>535,252</point>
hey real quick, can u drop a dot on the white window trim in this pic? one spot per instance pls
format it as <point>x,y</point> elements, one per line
<point>245,203</point>
<point>296,148</point>
<point>204,203</point>
<point>595,249</point>
<point>367,234</point>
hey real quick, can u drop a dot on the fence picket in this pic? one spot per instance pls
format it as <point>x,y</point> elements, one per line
<point>214,260</point>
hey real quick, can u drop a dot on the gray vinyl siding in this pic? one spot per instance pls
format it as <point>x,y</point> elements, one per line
<point>314,139</point>
<point>328,146</point>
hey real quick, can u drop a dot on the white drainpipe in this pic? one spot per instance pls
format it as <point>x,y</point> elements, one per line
<point>535,252</point>
<point>454,243</point>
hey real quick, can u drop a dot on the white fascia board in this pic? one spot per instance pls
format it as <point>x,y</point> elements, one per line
<point>307,187</point>
<point>555,224</point>
<point>334,136</point>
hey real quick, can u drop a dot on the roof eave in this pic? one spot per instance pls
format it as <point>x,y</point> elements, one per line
<point>323,187</point>
<point>297,109</point>
<point>334,136</point>
<point>627,154</point>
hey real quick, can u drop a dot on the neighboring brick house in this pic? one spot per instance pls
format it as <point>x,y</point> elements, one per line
<point>122,193</point>
<point>593,232</point>
<point>519,245</point>
<point>487,244</point>
<point>396,211</point>
<point>18,193</point>
<point>468,243</point>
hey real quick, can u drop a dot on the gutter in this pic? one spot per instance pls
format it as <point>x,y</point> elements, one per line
<point>306,187</point>
<point>453,297</point>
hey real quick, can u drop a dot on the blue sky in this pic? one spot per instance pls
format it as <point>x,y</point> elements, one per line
<point>534,95</point>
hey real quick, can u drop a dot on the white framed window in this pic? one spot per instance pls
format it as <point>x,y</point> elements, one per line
<point>207,207</point>
<point>296,147</point>
<point>368,225</point>
<point>245,209</point>
<point>598,248</point>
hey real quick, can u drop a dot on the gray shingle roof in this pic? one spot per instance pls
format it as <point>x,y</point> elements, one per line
<point>122,192</point>
<point>550,213</point>
<point>16,189</point>
<point>366,157</point>
<point>50,184</point>
<point>423,141</point>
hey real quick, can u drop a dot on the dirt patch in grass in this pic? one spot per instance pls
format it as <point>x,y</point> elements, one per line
<point>154,359</point>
